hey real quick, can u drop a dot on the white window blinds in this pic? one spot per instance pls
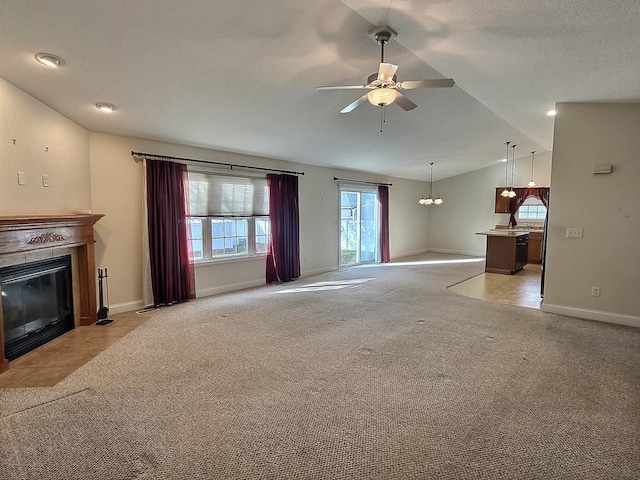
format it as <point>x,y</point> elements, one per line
<point>224,195</point>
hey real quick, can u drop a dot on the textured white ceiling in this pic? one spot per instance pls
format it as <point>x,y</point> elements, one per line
<point>240,76</point>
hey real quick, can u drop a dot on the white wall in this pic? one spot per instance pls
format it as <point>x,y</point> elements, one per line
<point>606,207</point>
<point>45,143</point>
<point>117,191</point>
<point>469,204</point>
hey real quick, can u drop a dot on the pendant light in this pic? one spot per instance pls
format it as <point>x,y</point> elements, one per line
<point>429,200</point>
<point>512,192</point>
<point>505,192</point>
<point>531,182</point>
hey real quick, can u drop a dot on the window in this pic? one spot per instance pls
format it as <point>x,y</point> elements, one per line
<point>262,235</point>
<point>196,238</point>
<point>532,210</point>
<point>229,216</point>
<point>217,238</point>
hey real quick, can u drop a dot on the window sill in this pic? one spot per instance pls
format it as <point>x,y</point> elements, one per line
<point>219,261</point>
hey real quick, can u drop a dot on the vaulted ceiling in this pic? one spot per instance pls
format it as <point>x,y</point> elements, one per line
<point>241,76</point>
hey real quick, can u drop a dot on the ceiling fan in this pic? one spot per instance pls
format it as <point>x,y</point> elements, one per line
<point>384,88</point>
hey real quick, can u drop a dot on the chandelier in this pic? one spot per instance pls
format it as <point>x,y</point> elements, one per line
<point>429,199</point>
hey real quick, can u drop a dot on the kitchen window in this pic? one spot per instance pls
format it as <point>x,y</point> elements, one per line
<point>532,210</point>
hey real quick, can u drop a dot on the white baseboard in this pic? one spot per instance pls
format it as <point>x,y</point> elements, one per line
<point>617,318</point>
<point>127,307</point>
<point>317,271</point>
<point>458,252</point>
<point>232,287</point>
<point>408,254</point>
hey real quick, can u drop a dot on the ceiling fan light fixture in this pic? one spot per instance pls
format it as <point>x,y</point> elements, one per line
<point>381,97</point>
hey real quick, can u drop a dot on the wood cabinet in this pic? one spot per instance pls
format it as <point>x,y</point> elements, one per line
<point>535,247</point>
<point>507,251</point>
<point>502,204</point>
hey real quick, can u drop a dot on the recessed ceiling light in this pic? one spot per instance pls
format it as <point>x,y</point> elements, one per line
<point>551,113</point>
<point>105,107</point>
<point>50,60</point>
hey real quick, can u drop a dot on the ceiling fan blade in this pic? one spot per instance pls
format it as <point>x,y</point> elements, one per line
<point>404,103</point>
<point>435,83</point>
<point>341,87</point>
<point>386,72</point>
<point>353,105</point>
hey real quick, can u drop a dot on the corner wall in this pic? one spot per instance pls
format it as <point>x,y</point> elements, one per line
<point>46,143</point>
<point>605,207</point>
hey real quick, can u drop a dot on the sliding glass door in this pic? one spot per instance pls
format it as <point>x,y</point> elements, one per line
<point>359,237</point>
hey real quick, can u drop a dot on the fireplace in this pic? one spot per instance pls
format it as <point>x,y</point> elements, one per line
<point>52,255</point>
<point>37,304</point>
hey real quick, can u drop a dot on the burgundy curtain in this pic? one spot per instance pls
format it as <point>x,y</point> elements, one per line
<point>522,194</point>
<point>283,258</point>
<point>383,199</point>
<point>172,276</point>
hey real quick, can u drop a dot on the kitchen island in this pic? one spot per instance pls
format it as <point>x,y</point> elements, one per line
<point>507,250</point>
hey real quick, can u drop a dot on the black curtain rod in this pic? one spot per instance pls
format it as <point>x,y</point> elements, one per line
<point>152,156</point>
<point>362,181</point>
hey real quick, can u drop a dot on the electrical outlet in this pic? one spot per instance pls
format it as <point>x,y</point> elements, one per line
<point>45,180</point>
<point>595,291</point>
<point>21,178</point>
<point>574,233</point>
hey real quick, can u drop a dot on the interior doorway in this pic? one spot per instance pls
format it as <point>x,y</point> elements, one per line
<point>359,232</point>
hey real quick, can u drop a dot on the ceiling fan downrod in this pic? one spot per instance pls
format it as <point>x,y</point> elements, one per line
<point>382,38</point>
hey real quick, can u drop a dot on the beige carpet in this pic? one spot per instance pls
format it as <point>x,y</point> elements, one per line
<point>373,373</point>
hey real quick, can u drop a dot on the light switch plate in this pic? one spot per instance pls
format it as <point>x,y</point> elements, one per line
<point>22,180</point>
<point>45,180</point>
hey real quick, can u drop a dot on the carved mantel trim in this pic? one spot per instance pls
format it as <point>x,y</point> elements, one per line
<point>24,234</point>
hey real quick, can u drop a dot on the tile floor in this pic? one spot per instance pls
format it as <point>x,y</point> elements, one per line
<point>47,365</point>
<point>522,288</point>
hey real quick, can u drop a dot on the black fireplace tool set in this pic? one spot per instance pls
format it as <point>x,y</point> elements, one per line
<point>103,311</point>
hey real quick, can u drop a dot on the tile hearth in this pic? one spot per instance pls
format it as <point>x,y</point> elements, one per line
<point>52,362</point>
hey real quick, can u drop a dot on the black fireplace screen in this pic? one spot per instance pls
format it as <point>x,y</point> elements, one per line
<point>37,303</point>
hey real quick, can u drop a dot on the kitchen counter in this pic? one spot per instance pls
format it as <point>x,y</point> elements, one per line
<point>507,250</point>
<point>504,232</point>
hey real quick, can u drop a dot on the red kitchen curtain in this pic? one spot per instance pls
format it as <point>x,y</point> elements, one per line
<point>283,258</point>
<point>522,194</point>
<point>172,275</point>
